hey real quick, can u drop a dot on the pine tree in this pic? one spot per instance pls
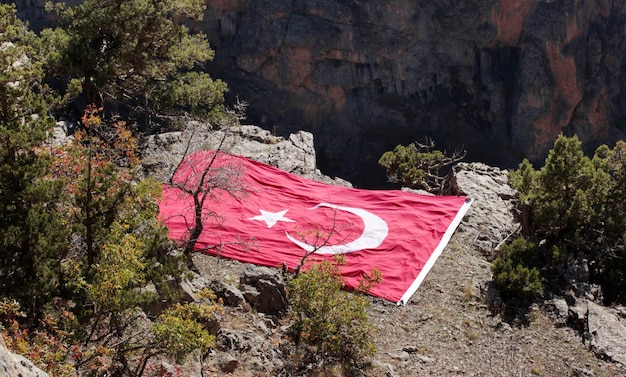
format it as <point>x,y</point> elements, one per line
<point>32,238</point>
<point>577,207</point>
<point>136,53</point>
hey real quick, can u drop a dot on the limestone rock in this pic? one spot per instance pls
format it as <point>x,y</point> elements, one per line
<point>264,289</point>
<point>161,153</point>
<point>606,333</point>
<point>228,363</point>
<point>400,355</point>
<point>560,310</point>
<point>190,285</point>
<point>16,365</point>
<point>492,213</point>
<point>385,369</point>
<point>230,295</point>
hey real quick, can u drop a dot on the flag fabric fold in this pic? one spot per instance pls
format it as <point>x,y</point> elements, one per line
<point>274,218</point>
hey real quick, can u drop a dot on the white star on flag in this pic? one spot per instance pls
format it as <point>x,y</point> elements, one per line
<point>271,218</point>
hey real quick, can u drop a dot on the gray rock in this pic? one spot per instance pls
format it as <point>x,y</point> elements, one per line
<point>228,363</point>
<point>386,368</point>
<point>233,340</point>
<point>190,284</point>
<point>399,355</point>
<point>13,365</point>
<point>559,308</point>
<point>264,289</point>
<point>161,153</point>
<point>230,295</point>
<point>424,358</point>
<point>492,212</point>
<point>61,133</point>
<point>606,333</point>
<point>578,316</point>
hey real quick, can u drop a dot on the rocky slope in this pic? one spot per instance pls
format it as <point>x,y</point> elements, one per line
<point>455,324</point>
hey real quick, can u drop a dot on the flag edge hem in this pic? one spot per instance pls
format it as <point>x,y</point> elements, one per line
<point>436,253</point>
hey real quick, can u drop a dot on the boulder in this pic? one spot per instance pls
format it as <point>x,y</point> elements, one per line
<point>13,365</point>
<point>492,213</point>
<point>559,309</point>
<point>228,363</point>
<point>230,295</point>
<point>606,332</point>
<point>190,284</point>
<point>264,290</point>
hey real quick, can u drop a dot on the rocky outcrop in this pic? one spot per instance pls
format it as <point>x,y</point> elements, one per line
<point>492,215</point>
<point>264,289</point>
<point>16,365</point>
<point>603,329</point>
<point>161,153</point>
<point>501,77</point>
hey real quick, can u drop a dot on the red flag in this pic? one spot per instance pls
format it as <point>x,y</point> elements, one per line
<point>280,217</point>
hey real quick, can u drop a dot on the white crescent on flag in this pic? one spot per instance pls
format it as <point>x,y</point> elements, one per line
<point>373,235</point>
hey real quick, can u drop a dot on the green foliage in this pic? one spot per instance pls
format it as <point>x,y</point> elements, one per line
<point>568,194</point>
<point>31,237</point>
<point>418,166</point>
<point>79,231</point>
<point>136,53</point>
<point>404,164</point>
<point>578,205</point>
<point>514,271</point>
<point>182,329</point>
<point>332,321</point>
<point>117,247</point>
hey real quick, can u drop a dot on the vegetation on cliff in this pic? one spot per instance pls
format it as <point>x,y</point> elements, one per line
<point>419,166</point>
<point>134,55</point>
<point>577,209</point>
<point>79,232</point>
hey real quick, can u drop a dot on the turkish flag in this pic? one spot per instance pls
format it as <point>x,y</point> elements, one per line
<point>256,213</point>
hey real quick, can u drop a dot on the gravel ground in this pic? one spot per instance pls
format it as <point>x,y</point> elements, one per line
<point>447,329</point>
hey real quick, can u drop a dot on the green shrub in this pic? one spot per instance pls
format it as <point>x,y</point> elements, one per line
<point>578,205</point>
<point>514,272</point>
<point>419,166</point>
<point>330,321</point>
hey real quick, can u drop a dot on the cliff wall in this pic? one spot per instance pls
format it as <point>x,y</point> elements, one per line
<point>501,78</point>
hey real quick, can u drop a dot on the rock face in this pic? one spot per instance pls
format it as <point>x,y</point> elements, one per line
<point>603,329</point>
<point>501,77</point>
<point>161,153</point>
<point>492,215</point>
<point>17,365</point>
